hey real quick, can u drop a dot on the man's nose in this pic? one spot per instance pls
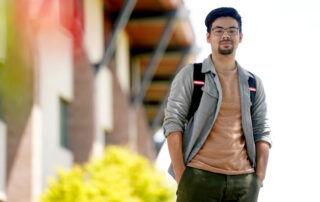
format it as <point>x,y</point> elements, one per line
<point>225,34</point>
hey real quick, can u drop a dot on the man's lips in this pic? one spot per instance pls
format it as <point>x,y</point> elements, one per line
<point>225,42</point>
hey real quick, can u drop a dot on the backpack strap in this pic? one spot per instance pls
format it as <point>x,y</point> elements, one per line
<point>198,82</point>
<point>252,87</point>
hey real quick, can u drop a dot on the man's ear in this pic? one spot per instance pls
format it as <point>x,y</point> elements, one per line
<point>240,37</point>
<point>208,37</point>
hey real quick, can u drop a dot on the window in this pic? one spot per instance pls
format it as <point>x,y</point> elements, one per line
<point>64,124</point>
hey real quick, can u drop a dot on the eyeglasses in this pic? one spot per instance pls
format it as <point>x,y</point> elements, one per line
<point>231,31</point>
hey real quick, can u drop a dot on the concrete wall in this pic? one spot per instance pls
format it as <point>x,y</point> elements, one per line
<point>109,102</point>
<point>36,152</point>
<point>3,149</point>
<point>56,81</point>
<point>103,108</point>
<point>93,29</point>
<point>94,46</point>
<point>122,57</point>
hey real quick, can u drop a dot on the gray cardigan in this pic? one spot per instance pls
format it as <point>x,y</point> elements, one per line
<point>255,126</point>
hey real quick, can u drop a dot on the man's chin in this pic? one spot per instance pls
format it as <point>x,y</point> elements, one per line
<point>225,51</point>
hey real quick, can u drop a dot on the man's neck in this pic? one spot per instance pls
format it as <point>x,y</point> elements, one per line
<point>223,62</point>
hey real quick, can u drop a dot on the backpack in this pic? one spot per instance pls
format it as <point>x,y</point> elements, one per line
<point>198,82</point>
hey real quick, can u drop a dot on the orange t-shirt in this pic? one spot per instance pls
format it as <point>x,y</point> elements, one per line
<point>224,150</point>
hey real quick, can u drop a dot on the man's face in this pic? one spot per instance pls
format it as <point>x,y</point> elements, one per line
<point>224,36</point>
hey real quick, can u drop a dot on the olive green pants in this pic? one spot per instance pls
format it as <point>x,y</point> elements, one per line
<point>202,186</point>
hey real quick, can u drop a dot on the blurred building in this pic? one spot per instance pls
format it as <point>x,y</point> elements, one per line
<point>82,75</point>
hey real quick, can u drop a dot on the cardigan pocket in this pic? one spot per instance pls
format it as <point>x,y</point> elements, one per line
<point>208,101</point>
<point>210,91</point>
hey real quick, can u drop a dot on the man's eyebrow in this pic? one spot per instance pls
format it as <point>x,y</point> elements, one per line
<point>217,27</point>
<point>224,28</point>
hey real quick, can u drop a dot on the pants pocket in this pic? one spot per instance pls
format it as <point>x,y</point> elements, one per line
<point>258,179</point>
<point>182,179</point>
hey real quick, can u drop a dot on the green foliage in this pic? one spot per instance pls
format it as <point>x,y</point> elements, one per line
<point>119,176</point>
<point>16,72</point>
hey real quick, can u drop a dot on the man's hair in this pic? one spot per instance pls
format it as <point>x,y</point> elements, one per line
<point>223,12</point>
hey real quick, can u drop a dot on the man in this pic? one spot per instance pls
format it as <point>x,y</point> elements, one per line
<point>221,153</point>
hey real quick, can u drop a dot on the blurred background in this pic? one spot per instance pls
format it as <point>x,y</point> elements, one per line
<point>79,75</point>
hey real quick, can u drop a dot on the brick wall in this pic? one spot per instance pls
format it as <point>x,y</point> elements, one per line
<point>121,110</point>
<point>17,100</point>
<point>121,132</point>
<point>19,161</point>
<point>82,109</point>
<point>145,136</point>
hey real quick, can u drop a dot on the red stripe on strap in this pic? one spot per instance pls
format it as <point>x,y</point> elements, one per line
<point>198,82</point>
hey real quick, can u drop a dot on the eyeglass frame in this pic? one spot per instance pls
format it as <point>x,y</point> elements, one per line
<point>226,30</point>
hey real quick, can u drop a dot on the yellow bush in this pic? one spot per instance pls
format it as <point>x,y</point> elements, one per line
<point>119,176</point>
